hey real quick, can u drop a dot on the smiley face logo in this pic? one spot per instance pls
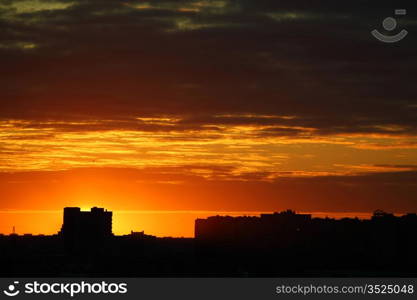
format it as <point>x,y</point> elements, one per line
<point>12,290</point>
<point>389,25</point>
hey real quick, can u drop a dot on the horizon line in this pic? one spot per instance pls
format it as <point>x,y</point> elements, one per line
<point>234,212</point>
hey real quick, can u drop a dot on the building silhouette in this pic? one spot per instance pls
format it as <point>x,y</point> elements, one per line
<point>82,229</point>
<point>293,243</point>
<point>252,228</point>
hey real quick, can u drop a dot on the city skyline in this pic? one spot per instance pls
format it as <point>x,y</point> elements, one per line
<point>225,246</point>
<point>156,223</point>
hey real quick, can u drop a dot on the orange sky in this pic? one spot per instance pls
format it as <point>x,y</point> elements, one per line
<point>46,169</point>
<point>196,105</point>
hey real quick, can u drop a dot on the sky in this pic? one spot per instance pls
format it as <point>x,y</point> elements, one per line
<point>197,107</point>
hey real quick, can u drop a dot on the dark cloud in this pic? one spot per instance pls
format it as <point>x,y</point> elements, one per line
<point>261,126</point>
<point>111,60</point>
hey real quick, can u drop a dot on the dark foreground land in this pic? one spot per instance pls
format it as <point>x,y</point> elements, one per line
<point>276,245</point>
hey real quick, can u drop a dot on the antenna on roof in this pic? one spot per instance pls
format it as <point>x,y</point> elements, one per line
<point>14,230</point>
